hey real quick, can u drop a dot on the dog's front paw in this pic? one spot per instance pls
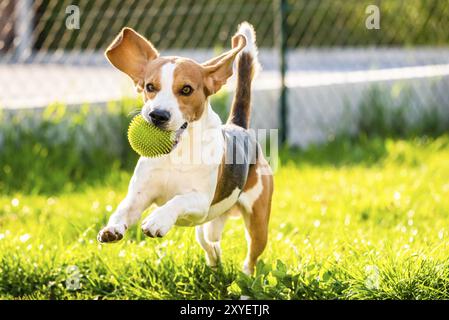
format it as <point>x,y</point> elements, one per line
<point>112,233</point>
<point>157,225</point>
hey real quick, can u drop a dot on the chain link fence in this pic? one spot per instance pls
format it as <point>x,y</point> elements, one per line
<point>332,57</point>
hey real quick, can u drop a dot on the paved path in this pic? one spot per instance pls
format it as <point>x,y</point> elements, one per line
<point>37,85</point>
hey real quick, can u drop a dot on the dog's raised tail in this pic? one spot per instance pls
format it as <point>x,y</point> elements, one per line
<point>247,65</point>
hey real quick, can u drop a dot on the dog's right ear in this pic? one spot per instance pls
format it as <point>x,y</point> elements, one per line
<point>130,53</point>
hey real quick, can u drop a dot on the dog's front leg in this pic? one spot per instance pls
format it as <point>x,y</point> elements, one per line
<point>128,212</point>
<point>193,206</point>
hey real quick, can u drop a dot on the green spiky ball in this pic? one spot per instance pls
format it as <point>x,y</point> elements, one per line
<point>148,140</point>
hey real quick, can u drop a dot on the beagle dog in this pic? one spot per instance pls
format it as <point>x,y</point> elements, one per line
<point>215,169</point>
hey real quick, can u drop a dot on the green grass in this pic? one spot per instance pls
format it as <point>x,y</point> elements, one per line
<point>365,219</point>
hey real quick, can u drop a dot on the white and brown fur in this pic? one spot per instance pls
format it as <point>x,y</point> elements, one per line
<point>201,194</point>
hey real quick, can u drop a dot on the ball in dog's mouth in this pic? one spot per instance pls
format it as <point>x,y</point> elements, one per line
<point>151,141</point>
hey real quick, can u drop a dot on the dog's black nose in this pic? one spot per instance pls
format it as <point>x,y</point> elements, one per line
<point>159,116</point>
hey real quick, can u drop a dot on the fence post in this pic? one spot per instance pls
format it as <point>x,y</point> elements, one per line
<point>280,38</point>
<point>23,29</point>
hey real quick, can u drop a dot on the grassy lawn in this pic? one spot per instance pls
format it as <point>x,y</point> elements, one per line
<point>350,220</point>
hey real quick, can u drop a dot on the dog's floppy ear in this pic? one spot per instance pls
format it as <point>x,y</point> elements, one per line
<point>219,69</point>
<point>130,52</point>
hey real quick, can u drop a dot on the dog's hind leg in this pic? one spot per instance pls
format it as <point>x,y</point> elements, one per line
<point>255,203</point>
<point>208,236</point>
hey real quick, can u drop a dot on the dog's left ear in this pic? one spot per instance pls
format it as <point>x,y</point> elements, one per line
<point>130,52</point>
<point>219,69</point>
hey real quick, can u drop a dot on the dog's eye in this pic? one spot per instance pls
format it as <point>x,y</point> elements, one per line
<point>186,90</point>
<point>150,87</point>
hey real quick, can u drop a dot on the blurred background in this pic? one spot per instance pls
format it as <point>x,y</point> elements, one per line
<point>330,67</point>
<point>357,89</point>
